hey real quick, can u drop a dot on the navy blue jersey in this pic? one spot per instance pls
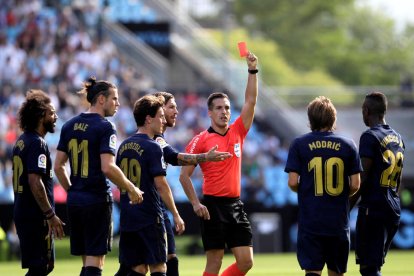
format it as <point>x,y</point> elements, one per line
<point>84,138</point>
<point>386,149</point>
<point>141,159</point>
<point>170,153</point>
<point>30,155</point>
<point>324,161</point>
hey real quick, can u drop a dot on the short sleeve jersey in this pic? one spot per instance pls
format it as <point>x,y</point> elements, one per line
<point>386,148</point>
<point>84,138</point>
<point>324,162</point>
<point>170,153</point>
<point>30,156</point>
<point>141,160</point>
<point>222,178</point>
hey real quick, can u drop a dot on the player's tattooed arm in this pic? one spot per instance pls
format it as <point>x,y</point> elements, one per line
<point>212,156</point>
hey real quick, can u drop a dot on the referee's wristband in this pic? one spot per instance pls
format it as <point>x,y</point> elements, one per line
<point>253,71</point>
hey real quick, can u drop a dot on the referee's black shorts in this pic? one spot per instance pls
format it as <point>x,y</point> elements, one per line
<point>228,224</point>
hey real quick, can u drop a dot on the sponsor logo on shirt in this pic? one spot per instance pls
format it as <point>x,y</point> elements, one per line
<point>112,141</point>
<point>41,161</point>
<point>161,142</point>
<point>237,150</point>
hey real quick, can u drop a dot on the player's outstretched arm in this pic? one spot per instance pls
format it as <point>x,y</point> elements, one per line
<point>211,156</point>
<point>166,195</point>
<point>247,112</point>
<point>114,173</point>
<point>187,184</point>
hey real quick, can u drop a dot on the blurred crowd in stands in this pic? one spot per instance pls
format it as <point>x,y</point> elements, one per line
<point>56,48</point>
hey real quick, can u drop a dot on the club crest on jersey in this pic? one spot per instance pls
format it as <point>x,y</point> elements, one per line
<point>237,150</point>
<point>112,141</point>
<point>41,161</point>
<point>161,142</point>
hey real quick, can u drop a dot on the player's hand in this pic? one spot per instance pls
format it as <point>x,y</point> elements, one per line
<point>135,196</point>
<point>201,211</point>
<point>179,224</point>
<point>55,227</point>
<point>251,60</point>
<point>214,155</point>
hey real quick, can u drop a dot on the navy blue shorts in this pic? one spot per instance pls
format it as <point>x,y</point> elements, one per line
<point>36,249</point>
<point>228,224</point>
<point>373,238</point>
<point>314,251</point>
<point>145,246</point>
<point>90,229</point>
<point>169,228</point>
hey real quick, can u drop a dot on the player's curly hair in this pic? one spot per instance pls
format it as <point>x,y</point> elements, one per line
<point>146,105</point>
<point>322,114</point>
<point>93,88</point>
<point>33,109</point>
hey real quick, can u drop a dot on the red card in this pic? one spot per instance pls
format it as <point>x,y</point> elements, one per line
<point>242,48</point>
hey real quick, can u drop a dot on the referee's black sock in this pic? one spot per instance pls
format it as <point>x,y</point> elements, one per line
<point>158,274</point>
<point>82,273</point>
<point>93,271</point>
<point>312,274</point>
<point>172,267</point>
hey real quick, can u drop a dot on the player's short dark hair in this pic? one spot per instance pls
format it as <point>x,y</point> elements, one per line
<point>33,109</point>
<point>167,96</point>
<point>213,96</point>
<point>146,105</point>
<point>93,88</point>
<point>321,114</point>
<point>377,103</point>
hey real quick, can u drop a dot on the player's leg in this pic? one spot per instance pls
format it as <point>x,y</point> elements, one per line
<point>337,252</point>
<point>154,239</point>
<point>172,260</point>
<point>369,243</point>
<point>123,270</point>
<point>310,253</point>
<point>37,250</point>
<point>98,237</point>
<point>131,252</point>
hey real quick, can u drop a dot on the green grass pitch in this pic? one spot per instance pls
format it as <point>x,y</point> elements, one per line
<point>399,263</point>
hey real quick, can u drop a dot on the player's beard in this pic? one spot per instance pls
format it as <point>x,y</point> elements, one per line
<point>50,126</point>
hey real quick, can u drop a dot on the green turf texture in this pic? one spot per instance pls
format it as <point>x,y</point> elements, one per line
<point>398,263</point>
